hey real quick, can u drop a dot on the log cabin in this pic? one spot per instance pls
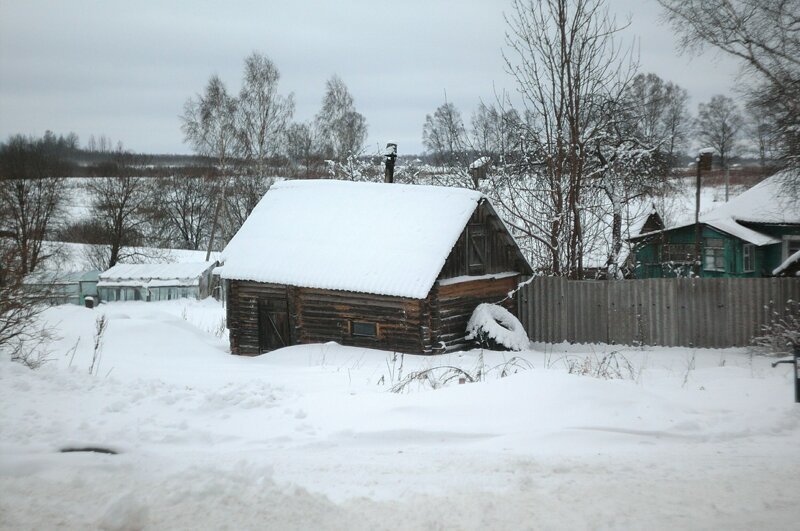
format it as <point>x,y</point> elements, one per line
<point>386,266</point>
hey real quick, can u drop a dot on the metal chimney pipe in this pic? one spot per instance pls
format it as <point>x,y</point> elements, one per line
<point>391,155</point>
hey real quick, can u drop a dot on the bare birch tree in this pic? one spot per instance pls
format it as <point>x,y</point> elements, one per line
<point>659,115</point>
<point>760,129</point>
<point>568,67</point>
<point>302,149</point>
<point>341,129</point>
<point>185,208</point>
<point>244,194</point>
<point>209,125</point>
<point>31,198</point>
<point>262,119</point>
<point>719,124</point>
<point>494,131</point>
<point>645,131</point>
<point>120,206</point>
<point>262,114</point>
<point>444,135</point>
<point>32,195</point>
<point>765,36</point>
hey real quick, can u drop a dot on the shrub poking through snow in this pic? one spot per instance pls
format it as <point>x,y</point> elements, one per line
<point>612,366</point>
<point>492,326</point>
<point>781,335</point>
<point>31,348</point>
<point>101,323</point>
<point>443,375</point>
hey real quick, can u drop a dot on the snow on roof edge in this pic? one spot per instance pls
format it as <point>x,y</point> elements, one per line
<point>794,257</point>
<point>733,229</point>
<point>367,215</point>
<point>168,271</point>
<point>764,202</point>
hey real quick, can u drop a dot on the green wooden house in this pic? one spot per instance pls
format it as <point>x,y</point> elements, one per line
<point>755,234</point>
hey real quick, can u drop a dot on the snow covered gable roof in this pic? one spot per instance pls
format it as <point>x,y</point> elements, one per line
<point>764,203</point>
<point>60,277</point>
<point>386,239</point>
<point>65,256</point>
<point>185,274</point>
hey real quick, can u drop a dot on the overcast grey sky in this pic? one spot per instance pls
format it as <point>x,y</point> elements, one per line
<point>125,69</point>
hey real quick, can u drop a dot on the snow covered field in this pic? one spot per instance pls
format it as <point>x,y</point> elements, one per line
<point>310,437</point>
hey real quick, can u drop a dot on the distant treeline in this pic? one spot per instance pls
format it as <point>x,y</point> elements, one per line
<point>62,155</point>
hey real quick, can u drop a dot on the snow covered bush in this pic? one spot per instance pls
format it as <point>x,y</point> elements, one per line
<point>31,347</point>
<point>492,326</point>
<point>782,334</point>
<point>22,339</point>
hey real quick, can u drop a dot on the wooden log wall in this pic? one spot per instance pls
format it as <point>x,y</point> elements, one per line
<point>403,325</point>
<point>451,307</point>
<point>327,315</point>
<point>242,313</point>
<point>317,316</point>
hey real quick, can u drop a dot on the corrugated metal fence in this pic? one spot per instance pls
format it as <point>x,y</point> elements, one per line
<point>670,312</point>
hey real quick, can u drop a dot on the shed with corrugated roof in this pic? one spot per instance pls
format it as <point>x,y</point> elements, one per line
<point>387,266</point>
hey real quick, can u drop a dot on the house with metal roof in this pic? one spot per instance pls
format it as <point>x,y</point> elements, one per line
<point>389,266</point>
<point>155,282</point>
<point>752,235</point>
<point>57,287</point>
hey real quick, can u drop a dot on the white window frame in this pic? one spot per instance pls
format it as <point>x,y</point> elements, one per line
<point>748,252</point>
<point>679,253</point>
<point>716,251</point>
<point>785,249</point>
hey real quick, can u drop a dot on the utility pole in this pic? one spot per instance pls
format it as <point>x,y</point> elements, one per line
<point>727,182</point>
<point>703,163</point>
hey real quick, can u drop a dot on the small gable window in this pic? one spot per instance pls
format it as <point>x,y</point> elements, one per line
<point>748,258</point>
<point>363,329</point>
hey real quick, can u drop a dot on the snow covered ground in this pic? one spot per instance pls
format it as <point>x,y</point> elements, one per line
<point>78,200</point>
<point>311,437</point>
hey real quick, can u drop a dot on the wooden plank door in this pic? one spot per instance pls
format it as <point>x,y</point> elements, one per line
<point>273,324</point>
